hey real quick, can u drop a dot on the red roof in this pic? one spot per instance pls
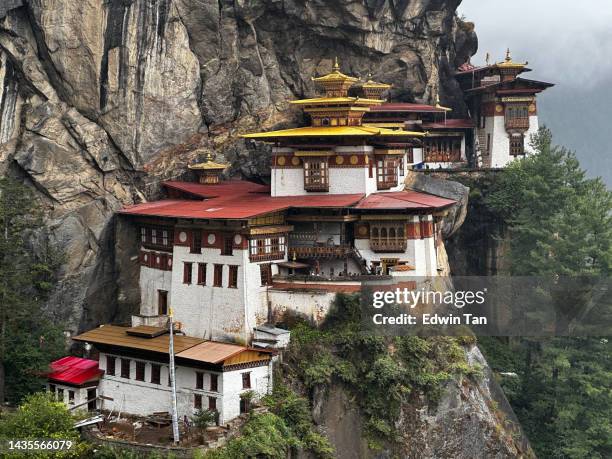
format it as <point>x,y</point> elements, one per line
<point>218,189</point>
<point>404,200</point>
<point>74,371</point>
<point>450,124</point>
<point>405,107</point>
<point>240,200</point>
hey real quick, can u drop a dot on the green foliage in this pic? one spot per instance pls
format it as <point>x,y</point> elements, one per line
<point>264,435</point>
<point>41,417</point>
<point>29,339</point>
<point>560,224</point>
<point>381,373</point>
<point>203,418</point>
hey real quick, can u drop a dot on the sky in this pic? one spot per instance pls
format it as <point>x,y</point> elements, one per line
<point>568,43</point>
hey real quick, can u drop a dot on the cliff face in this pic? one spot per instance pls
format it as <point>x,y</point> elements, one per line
<point>94,93</point>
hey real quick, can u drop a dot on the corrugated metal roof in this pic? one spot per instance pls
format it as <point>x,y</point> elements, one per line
<point>232,187</point>
<point>406,107</point>
<point>74,370</point>
<point>451,124</point>
<point>211,352</point>
<point>117,336</point>
<point>404,200</point>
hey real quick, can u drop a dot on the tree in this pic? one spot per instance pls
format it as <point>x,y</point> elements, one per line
<point>29,340</point>
<point>41,417</point>
<point>560,224</point>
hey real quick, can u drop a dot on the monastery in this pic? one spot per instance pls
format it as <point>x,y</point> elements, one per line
<point>229,258</point>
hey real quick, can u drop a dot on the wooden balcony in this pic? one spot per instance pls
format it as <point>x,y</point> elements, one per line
<point>326,251</point>
<point>314,186</point>
<point>395,245</point>
<point>267,256</point>
<point>443,156</point>
<point>386,184</point>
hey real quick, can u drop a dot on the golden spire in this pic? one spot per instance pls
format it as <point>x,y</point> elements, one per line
<point>508,56</point>
<point>336,67</point>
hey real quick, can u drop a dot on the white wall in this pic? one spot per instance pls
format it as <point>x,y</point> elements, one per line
<point>342,180</point>
<point>152,280</point>
<point>80,394</point>
<point>143,397</point>
<point>500,139</point>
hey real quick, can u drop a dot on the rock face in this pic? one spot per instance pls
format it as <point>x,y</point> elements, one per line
<point>92,94</point>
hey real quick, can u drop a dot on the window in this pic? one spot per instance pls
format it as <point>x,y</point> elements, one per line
<point>197,401</point>
<point>265,271</point>
<point>212,404</point>
<point>71,397</point>
<point>159,238</point>
<point>162,302</point>
<point>517,116</point>
<point>517,145</point>
<point>196,242</point>
<point>169,377</point>
<point>387,236</point>
<point>214,383</point>
<point>199,380</point>
<point>125,368</point>
<point>187,267</point>
<point>267,248</point>
<point>201,273</point>
<point>442,149</point>
<point>60,395</point>
<point>140,371</point>
<point>232,281</point>
<point>228,245</point>
<point>246,380</point>
<point>143,235</point>
<point>316,174</point>
<point>155,373</point>
<point>110,365</point>
<point>52,388</point>
<point>386,173</point>
<point>488,143</point>
<point>218,276</point>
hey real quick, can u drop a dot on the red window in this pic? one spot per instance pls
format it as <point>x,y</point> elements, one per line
<point>197,401</point>
<point>187,268</point>
<point>246,380</point>
<point>218,276</point>
<point>228,245</point>
<point>110,365</point>
<point>155,373</point>
<point>201,273</point>
<point>199,380</point>
<point>214,383</point>
<point>233,277</point>
<point>125,368</point>
<point>212,403</point>
<point>196,242</point>
<point>140,371</point>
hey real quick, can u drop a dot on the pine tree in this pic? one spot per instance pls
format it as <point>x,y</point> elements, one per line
<point>28,338</point>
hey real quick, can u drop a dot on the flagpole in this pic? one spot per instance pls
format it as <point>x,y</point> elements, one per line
<point>175,429</point>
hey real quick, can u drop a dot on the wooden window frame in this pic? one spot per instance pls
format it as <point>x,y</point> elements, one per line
<point>265,274</point>
<point>111,368</point>
<point>125,365</point>
<point>202,273</point>
<point>517,145</point>
<point>199,384</point>
<point>232,278</point>
<point>388,236</point>
<point>212,403</point>
<point>214,382</point>
<point>316,173</point>
<point>195,245</point>
<point>70,397</point>
<point>197,401</point>
<point>162,302</point>
<point>157,237</point>
<point>386,172</point>
<point>246,380</point>
<point>270,247</point>
<point>141,370</point>
<point>218,275</point>
<point>187,272</point>
<point>227,249</point>
<point>155,377</point>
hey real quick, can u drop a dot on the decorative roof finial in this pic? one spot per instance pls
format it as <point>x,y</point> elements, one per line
<point>336,65</point>
<point>209,157</point>
<point>488,59</point>
<point>294,256</point>
<point>508,56</point>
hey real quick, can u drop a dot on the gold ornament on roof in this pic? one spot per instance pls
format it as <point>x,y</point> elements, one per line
<point>509,63</point>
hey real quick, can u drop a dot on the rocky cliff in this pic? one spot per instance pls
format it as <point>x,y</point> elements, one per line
<point>99,100</point>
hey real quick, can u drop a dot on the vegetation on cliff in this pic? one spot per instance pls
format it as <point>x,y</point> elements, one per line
<point>559,223</point>
<point>29,339</point>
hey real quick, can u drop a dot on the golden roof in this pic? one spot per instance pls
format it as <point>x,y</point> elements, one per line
<point>335,75</point>
<point>337,100</point>
<point>508,63</point>
<point>375,84</point>
<point>331,131</point>
<point>208,165</point>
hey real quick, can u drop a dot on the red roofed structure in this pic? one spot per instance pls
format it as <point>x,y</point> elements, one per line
<point>74,371</point>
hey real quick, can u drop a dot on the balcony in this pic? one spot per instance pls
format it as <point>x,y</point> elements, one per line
<point>394,245</point>
<point>316,186</point>
<point>325,251</point>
